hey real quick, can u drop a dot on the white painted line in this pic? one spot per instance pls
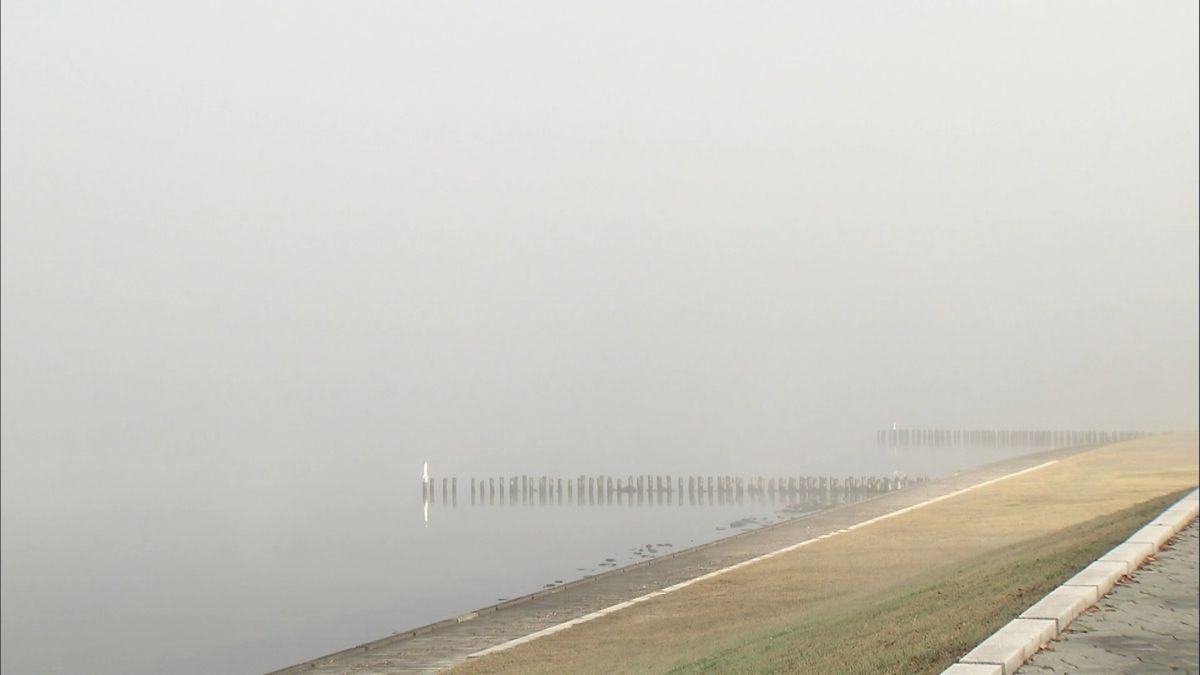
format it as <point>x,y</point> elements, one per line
<point>786,549</point>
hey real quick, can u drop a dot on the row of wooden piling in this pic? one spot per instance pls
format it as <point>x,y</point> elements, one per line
<point>999,438</point>
<point>659,488</point>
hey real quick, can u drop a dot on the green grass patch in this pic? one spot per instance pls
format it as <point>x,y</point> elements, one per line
<point>928,628</point>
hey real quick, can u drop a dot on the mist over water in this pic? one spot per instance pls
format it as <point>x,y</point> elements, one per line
<point>191,585</point>
<point>258,263</point>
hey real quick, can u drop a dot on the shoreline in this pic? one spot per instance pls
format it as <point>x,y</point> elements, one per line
<point>905,594</point>
<point>306,666</point>
<point>750,544</point>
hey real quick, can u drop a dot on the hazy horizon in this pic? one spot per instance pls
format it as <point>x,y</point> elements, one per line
<point>246,240</point>
<point>259,261</point>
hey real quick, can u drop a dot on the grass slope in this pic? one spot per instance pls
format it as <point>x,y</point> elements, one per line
<point>926,629</point>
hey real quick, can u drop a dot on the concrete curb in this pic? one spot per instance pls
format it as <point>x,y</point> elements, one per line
<point>1008,648</point>
<point>974,669</point>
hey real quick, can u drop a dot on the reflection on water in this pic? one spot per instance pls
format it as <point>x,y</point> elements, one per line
<point>260,579</point>
<point>789,493</point>
<point>975,439</point>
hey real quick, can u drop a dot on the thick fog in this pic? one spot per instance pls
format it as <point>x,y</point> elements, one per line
<point>256,243</point>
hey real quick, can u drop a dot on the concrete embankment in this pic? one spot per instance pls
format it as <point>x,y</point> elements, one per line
<point>763,617</point>
<point>453,641</point>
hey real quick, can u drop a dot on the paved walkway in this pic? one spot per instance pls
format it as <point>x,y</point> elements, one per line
<point>1148,625</point>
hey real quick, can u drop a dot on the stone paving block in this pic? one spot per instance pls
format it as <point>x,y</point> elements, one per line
<point>974,669</point>
<point>1177,517</point>
<point>1131,553</point>
<point>1172,523</point>
<point>1063,604</point>
<point>1152,626</point>
<point>1185,510</point>
<point>1018,640</point>
<point>1102,575</point>
<point>1153,534</point>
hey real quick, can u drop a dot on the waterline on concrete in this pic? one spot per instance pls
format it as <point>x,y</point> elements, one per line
<point>787,549</point>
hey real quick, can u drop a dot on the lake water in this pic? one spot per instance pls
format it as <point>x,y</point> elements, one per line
<point>205,583</point>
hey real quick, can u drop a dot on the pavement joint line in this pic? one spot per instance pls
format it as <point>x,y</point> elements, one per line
<point>504,646</point>
<point>1000,647</point>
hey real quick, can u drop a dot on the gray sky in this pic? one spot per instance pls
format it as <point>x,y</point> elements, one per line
<point>239,236</point>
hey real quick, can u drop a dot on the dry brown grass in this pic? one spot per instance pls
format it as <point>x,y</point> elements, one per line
<point>858,568</point>
<point>924,629</point>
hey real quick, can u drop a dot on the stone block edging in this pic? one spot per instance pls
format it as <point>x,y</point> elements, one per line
<point>1007,649</point>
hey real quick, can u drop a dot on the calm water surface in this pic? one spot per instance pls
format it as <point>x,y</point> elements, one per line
<point>221,584</point>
